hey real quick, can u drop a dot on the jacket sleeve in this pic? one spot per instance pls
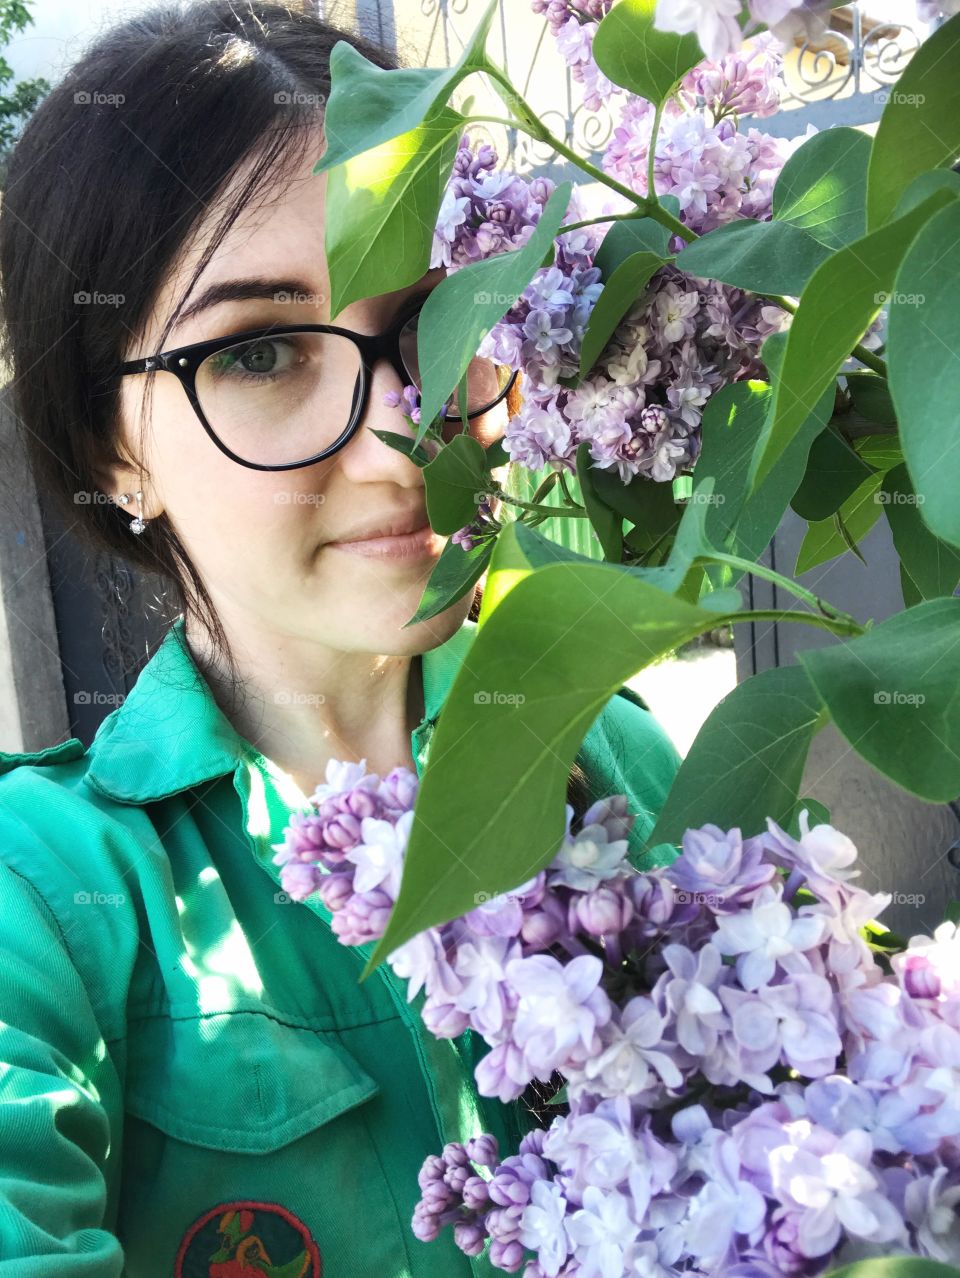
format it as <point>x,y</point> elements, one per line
<point>57,1091</point>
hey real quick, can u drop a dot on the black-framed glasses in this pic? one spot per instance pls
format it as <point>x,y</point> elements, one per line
<point>285,396</point>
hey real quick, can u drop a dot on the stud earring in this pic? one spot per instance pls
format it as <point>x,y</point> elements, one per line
<point>138,523</point>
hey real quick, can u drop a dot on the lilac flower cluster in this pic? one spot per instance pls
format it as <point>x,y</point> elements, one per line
<point>752,1090</point>
<point>640,408</point>
<point>717,23</point>
<point>573,24</point>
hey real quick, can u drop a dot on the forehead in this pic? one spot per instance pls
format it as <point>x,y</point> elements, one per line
<point>278,231</point>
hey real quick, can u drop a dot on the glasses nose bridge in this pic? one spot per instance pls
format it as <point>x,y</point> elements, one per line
<point>377,346</point>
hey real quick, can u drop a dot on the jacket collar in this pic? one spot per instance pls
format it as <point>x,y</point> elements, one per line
<point>170,734</point>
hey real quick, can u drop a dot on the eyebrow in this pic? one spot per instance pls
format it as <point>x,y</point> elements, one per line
<point>258,288</point>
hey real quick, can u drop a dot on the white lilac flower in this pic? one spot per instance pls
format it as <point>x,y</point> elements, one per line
<point>480,964</point>
<point>767,937</point>
<point>601,1232</point>
<point>932,1206</point>
<point>632,1058</point>
<point>827,1182</point>
<point>588,858</point>
<point>559,1009</point>
<point>379,858</point>
<point>714,21</point>
<point>688,990</point>
<point>727,1205</point>
<point>543,1228</point>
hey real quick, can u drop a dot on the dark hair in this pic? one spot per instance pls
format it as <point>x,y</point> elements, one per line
<point>102,197</point>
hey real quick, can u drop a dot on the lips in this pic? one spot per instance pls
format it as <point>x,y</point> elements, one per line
<point>391,526</point>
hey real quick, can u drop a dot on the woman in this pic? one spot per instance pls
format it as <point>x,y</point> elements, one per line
<point>195,1081</point>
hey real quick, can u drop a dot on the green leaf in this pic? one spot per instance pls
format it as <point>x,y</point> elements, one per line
<point>926,184</point>
<point>932,565</point>
<point>607,524</point>
<point>895,1267</point>
<point>404,444</point>
<point>871,397</point>
<point>825,540</point>
<point>523,704</point>
<point>924,372</point>
<point>381,210</point>
<point>368,105</point>
<point>835,470</point>
<point>739,521</point>
<point>622,290</point>
<point>836,307</point>
<point>879,451</point>
<point>764,257</point>
<point>496,455</point>
<point>635,235</point>
<point>454,573</point>
<point>920,125</point>
<point>747,760</point>
<point>464,306</point>
<point>822,188</point>
<point>631,52</point>
<point>892,693</point>
<point>456,481</point>
<point>647,504</point>
<point>908,588</point>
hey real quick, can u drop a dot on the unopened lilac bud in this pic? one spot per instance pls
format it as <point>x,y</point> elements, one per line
<point>362,803</point>
<point>425,1224</point>
<point>443,1020</point>
<point>544,926</point>
<point>603,910</point>
<point>475,1193</point>
<point>335,890</point>
<point>484,1150</point>
<point>399,788</point>
<point>920,977</point>
<point>470,1237</point>
<point>342,832</point>
<point>455,1154</point>
<point>432,1170</point>
<point>437,1197</point>
<point>653,898</point>
<point>506,1256</point>
<point>653,418</point>
<point>456,1178</point>
<point>503,1223</point>
<point>532,1142</point>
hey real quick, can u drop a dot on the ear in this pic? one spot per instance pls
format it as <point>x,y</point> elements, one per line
<point>124,476</point>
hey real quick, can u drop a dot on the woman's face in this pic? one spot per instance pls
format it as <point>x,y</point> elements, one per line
<point>265,542</point>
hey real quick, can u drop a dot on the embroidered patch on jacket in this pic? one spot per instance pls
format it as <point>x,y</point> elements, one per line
<point>248,1240</point>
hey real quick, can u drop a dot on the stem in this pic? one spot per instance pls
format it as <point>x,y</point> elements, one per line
<point>567,493</point>
<point>560,512</point>
<point>531,124</point>
<point>805,618</point>
<point>785,583</point>
<point>493,119</point>
<point>652,153</point>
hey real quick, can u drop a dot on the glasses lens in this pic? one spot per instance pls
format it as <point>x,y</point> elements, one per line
<point>487,382</point>
<point>282,398</point>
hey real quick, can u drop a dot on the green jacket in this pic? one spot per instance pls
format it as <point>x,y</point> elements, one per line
<point>193,1082</point>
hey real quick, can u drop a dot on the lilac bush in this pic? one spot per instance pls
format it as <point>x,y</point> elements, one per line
<point>755,1085</point>
<point>641,405</point>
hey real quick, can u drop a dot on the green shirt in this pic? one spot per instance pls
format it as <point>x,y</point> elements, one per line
<point>193,1081</point>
